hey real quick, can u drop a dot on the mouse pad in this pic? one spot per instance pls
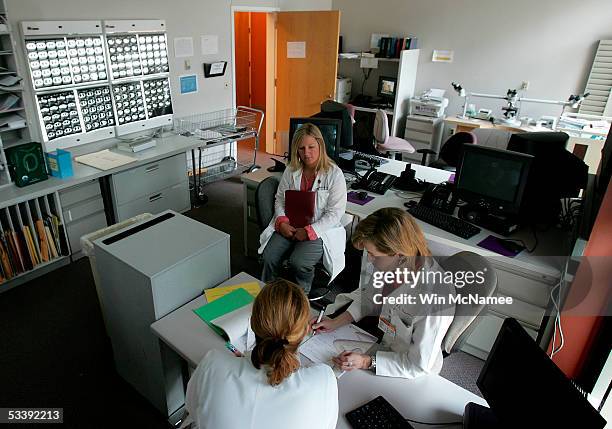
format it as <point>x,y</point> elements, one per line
<point>353,198</point>
<point>491,243</point>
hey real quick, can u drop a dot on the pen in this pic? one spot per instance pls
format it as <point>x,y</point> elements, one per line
<point>232,349</point>
<point>319,319</point>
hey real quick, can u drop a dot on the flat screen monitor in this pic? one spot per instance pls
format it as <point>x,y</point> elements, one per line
<point>330,129</point>
<point>492,177</point>
<point>386,87</point>
<point>524,387</point>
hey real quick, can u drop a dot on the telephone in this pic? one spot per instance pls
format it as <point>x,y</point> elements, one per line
<point>440,197</point>
<point>375,181</point>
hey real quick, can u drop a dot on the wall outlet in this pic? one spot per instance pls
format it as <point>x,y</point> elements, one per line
<point>525,85</point>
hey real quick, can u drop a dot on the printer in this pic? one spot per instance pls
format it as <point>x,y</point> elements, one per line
<point>343,89</point>
<point>430,103</point>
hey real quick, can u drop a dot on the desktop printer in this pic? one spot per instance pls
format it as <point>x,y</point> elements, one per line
<point>430,103</point>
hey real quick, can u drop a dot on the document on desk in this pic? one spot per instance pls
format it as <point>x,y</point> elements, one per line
<point>215,293</point>
<point>321,348</point>
<point>105,159</point>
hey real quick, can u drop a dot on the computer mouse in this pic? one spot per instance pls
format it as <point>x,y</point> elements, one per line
<point>410,204</point>
<point>362,195</point>
<point>511,245</point>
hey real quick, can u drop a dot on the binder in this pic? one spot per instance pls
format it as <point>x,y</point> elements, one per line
<point>300,207</point>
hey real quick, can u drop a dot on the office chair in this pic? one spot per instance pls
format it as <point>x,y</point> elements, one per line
<point>264,201</point>
<point>464,321</point>
<point>451,151</point>
<point>334,110</point>
<point>383,142</point>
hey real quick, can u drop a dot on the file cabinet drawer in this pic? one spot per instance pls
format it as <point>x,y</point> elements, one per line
<point>423,126</point>
<point>417,136</point>
<point>82,227</point>
<point>175,197</point>
<point>83,209</point>
<point>147,179</point>
<point>78,193</point>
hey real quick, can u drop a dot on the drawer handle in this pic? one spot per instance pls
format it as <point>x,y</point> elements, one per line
<point>155,197</point>
<point>152,168</point>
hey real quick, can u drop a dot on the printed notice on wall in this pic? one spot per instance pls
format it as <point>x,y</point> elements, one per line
<point>183,47</point>
<point>210,44</point>
<point>188,84</point>
<point>296,49</point>
<point>440,56</point>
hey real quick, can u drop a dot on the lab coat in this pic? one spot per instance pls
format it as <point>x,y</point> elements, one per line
<point>329,211</point>
<point>227,392</point>
<point>415,348</point>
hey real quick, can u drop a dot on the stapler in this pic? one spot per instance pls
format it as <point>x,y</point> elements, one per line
<point>279,166</point>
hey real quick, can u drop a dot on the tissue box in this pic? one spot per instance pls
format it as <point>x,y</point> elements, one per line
<point>60,163</point>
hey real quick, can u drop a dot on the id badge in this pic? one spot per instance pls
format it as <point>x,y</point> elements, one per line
<point>386,326</point>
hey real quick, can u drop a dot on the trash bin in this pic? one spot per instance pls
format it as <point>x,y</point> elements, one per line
<point>88,249</point>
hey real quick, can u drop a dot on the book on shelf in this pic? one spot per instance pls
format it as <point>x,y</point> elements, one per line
<point>42,241</point>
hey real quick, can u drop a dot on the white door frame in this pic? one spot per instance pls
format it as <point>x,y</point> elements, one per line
<point>233,41</point>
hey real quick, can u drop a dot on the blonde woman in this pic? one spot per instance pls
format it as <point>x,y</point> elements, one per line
<point>268,388</point>
<point>310,169</point>
<point>413,332</point>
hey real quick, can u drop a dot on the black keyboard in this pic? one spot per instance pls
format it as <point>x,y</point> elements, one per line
<point>373,160</point>
<point>444,221</point>
<point>377,413</point>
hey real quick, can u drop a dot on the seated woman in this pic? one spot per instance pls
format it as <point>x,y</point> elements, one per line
<point>413,332</point>
<point>267,389</point>
<point>310,169</point>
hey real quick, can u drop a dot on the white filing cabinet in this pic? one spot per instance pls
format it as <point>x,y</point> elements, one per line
<point>423,133</point>
<point>147,270</point>
<point>83,210</point>
<point>151,188</point>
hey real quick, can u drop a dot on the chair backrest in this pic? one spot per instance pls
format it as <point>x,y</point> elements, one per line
<point>334,110</point>
<point>381,127</point>
<point>452,150</point>
<point>465,314</point>
<point>264,200</point>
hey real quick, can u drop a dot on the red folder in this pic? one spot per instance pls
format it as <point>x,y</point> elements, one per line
<point>300,207</point>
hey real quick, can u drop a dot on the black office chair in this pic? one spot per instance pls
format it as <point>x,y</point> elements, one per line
<point>334,110</point>
<point>264,201</point>
<point>451,151</point>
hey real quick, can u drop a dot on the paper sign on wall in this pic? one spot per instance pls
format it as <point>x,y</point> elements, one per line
<point>440,56</point>
<point>183,47</point>
<point>210,44</point>
<point>189,84</point>
<point>296,49</point>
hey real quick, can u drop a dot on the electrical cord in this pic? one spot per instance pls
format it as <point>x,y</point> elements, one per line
<point>434,424</point>
<point>366,76</point>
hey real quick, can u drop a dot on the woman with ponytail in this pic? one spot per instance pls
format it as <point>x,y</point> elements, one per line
<point>266,388</point>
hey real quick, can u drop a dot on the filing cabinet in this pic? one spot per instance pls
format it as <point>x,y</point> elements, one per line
<point>423,133</point>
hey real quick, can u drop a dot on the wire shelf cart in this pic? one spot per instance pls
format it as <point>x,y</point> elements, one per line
<point>219,131</point>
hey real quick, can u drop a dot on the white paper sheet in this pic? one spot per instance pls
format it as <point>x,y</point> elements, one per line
<point>296,49</point>
<point>210,44</point>
<point>104,160</point>
<point>237,326</point>
<point>183,47</point>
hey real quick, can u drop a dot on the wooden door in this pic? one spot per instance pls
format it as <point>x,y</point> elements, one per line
<point>302,84</point>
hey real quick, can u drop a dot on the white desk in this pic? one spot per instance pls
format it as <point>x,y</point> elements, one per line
<point>430,399</point>
<point>527,278</point>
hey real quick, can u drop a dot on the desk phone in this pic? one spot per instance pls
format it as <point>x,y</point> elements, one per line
<point>375,181</point>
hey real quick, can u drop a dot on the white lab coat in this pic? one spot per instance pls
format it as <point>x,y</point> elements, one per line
<point>416,347</point>
<point>329,211</point>
<point>226,392</point>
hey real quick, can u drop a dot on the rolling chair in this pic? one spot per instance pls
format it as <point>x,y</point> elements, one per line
<point>383,142</point>
<point>264,201</point>
<point>334,110</point>
<point>464,321</point>
<point>451,151</point>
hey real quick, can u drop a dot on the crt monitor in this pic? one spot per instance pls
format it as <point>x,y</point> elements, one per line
<point>334,110</point>
<point>386,87</point>
<point>330,129</point>
<point>494,179</point>
<point>524,387</point>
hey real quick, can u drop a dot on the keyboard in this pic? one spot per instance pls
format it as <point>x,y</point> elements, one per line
<point>444,221</point>
<point>373,160</point>
<point>377,413</point>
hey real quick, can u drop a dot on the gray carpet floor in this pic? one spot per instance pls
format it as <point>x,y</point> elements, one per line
<point>224,212</point>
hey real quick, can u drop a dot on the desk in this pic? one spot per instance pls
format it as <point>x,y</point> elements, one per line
<point>527,278</point>
<point>430,398</point>
<point>470,124</point>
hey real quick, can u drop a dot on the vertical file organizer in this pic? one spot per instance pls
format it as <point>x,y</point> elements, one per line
<point>97,79</point>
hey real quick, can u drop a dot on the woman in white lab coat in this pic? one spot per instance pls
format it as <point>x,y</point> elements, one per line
<point>310,169</point>
<point>266,389</point>
<point>413,332</point>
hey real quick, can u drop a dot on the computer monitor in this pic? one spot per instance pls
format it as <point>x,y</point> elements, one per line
<point>524,387</point>
<point>492,179</point>
<point>386,88</point>
<point>334,110</point>
<point>555,173</point>
<point>330,129</point>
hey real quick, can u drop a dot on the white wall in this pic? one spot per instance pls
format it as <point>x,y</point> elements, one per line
<point>497,43</point>
<point>191,18</point>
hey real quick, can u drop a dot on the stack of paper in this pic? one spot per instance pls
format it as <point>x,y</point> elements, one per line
<point>104,160</point>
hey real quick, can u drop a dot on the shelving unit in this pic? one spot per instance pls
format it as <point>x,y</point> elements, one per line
<point>10,136</point>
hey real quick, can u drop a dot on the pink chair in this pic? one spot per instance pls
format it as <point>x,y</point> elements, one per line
<point>383,142</point>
